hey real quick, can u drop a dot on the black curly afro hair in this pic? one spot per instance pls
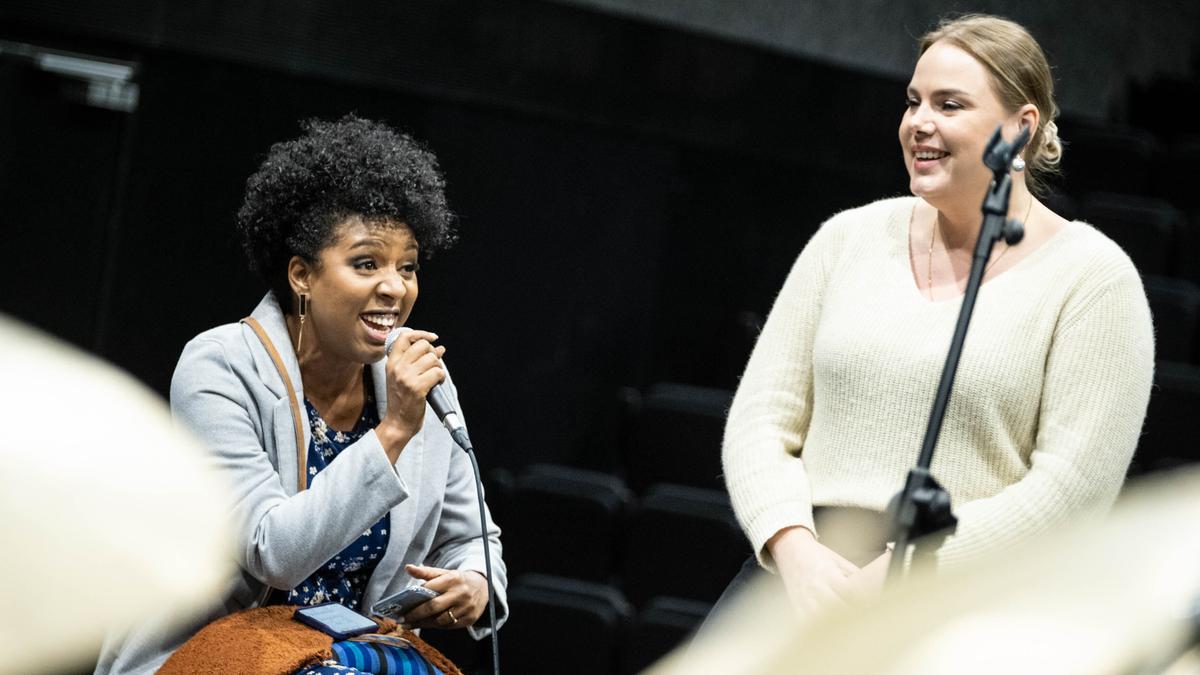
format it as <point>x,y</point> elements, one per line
<point>334,171</point>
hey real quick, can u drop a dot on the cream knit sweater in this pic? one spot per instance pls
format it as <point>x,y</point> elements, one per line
<point>1046,410</point>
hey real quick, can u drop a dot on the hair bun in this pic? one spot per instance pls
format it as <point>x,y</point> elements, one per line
<point>1052,148</point>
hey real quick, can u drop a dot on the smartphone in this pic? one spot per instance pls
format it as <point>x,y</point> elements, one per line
<point>396,606</point>
<point>335,620</point>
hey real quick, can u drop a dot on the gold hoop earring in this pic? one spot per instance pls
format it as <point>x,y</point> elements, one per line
<point>302,312</point>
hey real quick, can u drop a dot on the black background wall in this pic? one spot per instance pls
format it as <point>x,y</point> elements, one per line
<point>1097,47</point>
<point>626,191</point>
<point>631,194</point>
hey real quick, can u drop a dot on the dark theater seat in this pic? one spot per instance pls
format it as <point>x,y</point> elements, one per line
<point>564,521</point>
<point>1172,431</point>
<point>1145,227</point>
<point>682,542</point>
<point>1108,159</point>
<point>563,625</point>
<point>661,626</point>
<point>1178,177</point>
<point>1175,304</point>
<point>677,437</point>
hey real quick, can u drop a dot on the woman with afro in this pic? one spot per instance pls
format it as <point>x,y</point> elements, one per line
<point>350,490</point>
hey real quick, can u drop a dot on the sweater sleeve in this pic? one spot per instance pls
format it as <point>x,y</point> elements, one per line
<point>770,413</point>
<point>282,539</point>
<point>1097,386</point>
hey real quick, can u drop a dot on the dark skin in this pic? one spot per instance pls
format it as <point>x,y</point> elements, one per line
<point>462,601</point>
<point>364,284</point>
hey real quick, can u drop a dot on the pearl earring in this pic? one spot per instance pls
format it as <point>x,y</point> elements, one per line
<point>1018,164</point>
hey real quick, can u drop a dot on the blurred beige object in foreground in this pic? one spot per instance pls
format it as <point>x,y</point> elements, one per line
<point>108,514</point>
<point>1111,596</point>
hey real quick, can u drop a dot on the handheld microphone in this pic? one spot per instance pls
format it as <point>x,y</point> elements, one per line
<point>437,399</point>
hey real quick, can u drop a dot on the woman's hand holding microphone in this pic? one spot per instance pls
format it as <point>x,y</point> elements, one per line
<point>414,366</point>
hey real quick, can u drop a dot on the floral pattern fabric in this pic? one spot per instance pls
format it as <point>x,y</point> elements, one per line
<point>342,579</point>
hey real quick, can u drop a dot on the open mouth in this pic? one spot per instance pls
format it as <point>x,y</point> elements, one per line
<point>378,324</point>
<point>929,155</point>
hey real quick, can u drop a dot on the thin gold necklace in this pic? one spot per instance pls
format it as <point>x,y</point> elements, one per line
<point>932,239</point>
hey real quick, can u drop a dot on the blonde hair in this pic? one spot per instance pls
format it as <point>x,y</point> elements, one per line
<point>1020,74</point>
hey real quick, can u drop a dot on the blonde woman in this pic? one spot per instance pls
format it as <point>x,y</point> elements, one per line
<point>1055,374</point>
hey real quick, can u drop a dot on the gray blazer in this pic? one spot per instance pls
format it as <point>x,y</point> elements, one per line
<point>227,390</point>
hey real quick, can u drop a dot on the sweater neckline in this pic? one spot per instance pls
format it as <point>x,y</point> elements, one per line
<point>901,221</point>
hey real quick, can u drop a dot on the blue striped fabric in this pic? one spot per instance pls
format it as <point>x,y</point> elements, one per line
<point>384,659</point>
<point>381,655</point>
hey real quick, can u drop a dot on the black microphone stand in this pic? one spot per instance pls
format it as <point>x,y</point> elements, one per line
<point>922,508</point>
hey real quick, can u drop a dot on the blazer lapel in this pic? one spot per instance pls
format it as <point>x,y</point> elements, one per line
<point>286,454</point>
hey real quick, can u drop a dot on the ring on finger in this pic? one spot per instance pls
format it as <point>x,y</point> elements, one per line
<point>453,620</point>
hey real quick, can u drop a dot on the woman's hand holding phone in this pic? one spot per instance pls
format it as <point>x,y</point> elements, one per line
<point>461,601</point>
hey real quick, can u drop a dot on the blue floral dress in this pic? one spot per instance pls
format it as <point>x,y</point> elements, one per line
<point>343,579</point>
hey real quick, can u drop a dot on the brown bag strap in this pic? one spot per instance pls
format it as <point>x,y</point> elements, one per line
<point>301,451</point>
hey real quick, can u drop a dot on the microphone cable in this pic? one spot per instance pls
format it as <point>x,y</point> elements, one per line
<point>458,431</point>
<point>465,443</point>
